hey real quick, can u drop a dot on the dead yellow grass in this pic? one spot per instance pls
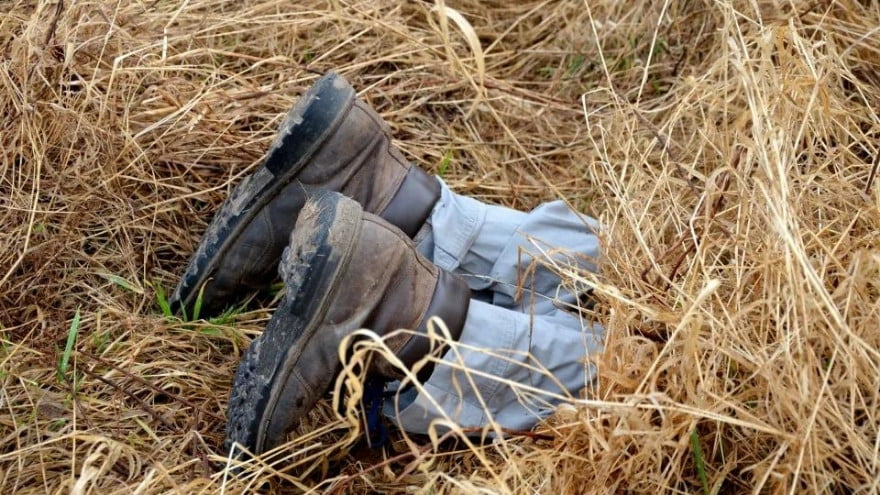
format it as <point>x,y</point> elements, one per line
<point>729,148</point>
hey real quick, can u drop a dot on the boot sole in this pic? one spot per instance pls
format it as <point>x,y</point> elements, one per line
<point>312,120</point>
<point>270,377</point>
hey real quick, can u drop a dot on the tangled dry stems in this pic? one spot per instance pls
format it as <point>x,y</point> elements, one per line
<point>729,148</point>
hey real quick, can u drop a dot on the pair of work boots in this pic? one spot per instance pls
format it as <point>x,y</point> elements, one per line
<point>333,209</point>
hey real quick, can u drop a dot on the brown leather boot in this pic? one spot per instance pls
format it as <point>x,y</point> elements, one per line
<point>329,140</point>
<point>345,269</point>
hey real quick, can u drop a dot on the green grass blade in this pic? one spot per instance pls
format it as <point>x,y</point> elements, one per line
<point>275,288</point>
<point>68,347</point>
<point>698,460</point>
<point>228,315</point>
<point>197,307</point>
<point>162,300</point>
<point>444,163</point>
<point>125,284</point>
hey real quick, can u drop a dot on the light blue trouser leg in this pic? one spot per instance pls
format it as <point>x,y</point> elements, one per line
<point>541,353</point>
<point>491,247</point>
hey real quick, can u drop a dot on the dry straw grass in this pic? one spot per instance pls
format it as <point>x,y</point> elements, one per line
<point>728,146</point>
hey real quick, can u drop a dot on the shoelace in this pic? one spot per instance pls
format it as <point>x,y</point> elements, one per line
<point>374,399</point>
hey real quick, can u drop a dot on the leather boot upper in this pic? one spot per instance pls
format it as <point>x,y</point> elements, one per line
<point>387,285</point>
<point>345,269</point>
<point>352,153</point>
